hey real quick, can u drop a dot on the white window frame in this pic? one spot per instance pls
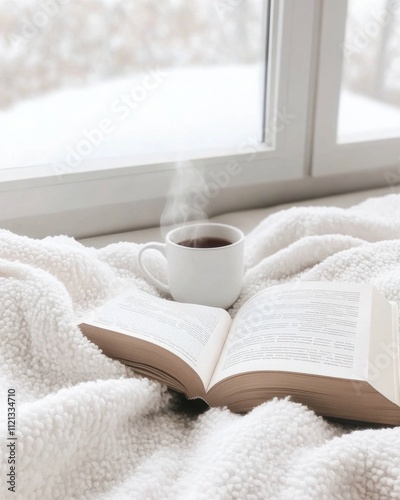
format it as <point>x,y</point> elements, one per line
<point>132,194</point>
<point>329,157</point>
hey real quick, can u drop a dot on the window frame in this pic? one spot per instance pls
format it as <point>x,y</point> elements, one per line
<point>329,156</point>
<point>120,194</point>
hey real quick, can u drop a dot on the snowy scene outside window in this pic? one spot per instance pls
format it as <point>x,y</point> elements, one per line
<point>108,78</point>
<point>148,81</point>
<point>371,72</point>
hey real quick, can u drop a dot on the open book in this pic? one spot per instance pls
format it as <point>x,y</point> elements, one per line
<point>331,346</point>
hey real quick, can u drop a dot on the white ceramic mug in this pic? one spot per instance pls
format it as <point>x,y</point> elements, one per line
<point>211,276</point>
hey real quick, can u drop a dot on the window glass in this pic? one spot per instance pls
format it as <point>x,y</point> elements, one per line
<point>107,78</point>
<point>370,90</point>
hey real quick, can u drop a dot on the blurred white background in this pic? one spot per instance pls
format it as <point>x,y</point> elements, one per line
<point>370,93</point>
<point>66,66</point>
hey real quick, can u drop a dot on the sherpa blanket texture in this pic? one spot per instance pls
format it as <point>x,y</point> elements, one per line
<point>88,428</point>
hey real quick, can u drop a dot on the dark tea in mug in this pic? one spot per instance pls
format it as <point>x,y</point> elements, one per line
<point>205,242</point>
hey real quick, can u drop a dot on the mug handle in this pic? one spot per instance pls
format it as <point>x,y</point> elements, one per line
<point>152,246</point>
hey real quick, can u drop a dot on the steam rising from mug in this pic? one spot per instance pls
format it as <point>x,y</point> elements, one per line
<point>181,208</point>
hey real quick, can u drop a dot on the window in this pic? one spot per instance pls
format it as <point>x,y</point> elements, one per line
<point>109,108</point>
<point>370,85</point>
<point>358,104</point>
<point>264,113</point>
<point>107,79</point>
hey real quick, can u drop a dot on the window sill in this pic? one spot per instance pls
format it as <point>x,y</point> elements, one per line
<point>245,220</point>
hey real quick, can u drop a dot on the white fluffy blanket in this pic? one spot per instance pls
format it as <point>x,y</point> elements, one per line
<point>88,428</point>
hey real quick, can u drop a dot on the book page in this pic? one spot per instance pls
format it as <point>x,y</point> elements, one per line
<point>194,333</point>
<point>382,366</point>
<point>312,327</point>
